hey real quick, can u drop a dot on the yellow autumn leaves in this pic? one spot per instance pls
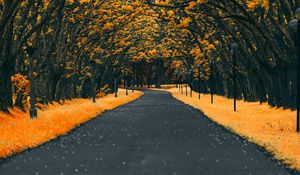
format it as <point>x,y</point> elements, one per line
<point>80,1</point>
<point>128,7</point>
<point>138,27</point>
<point>184,22</point>
<point>252,4</point>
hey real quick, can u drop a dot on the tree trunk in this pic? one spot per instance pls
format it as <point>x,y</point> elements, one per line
<point>7,68</point>
<point>19,100</point>
<point>159,68</point>
<point>5,90</point>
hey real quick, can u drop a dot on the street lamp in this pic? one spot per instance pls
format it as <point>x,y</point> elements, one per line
<point>115,84</point>
<point>294,27</point>
<point>32,112</point>
<point>186,83</point>
<point>93,66</point>
<point>191,81</point>
<point>181,82</point>
<point>132,85</point>
<point>176,75</point>
<point>126,85</point>
<point>199,79</point>
<point>211,63</point>
<point>233,49</point>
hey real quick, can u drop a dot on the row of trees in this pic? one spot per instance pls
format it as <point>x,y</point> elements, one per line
<point>64,49</point>
<point>71,47</point>
<point>266,56</point>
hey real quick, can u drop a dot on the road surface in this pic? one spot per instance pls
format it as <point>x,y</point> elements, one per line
<point>154,135</point>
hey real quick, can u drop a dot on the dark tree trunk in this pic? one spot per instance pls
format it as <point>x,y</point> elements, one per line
<point>159,72</point>
<point>19,100</point>
<point>7,68</point>
<point>5,89</point>
<point>86,89</point>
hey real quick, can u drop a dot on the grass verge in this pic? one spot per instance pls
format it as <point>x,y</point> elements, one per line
<point>18,132</point>
<point>271,128</point>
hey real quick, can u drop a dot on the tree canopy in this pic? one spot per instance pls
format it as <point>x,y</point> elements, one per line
<point>69,44</point>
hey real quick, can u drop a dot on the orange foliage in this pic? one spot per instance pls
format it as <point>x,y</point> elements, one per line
<point>18,132</point>
<point>272,128</point>
<point>21,83</point>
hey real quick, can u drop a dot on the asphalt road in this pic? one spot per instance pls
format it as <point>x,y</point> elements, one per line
<point>154,135</point>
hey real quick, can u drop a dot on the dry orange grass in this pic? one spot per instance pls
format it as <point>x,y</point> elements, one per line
<point>18,132</point>
<point>272,128</point>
